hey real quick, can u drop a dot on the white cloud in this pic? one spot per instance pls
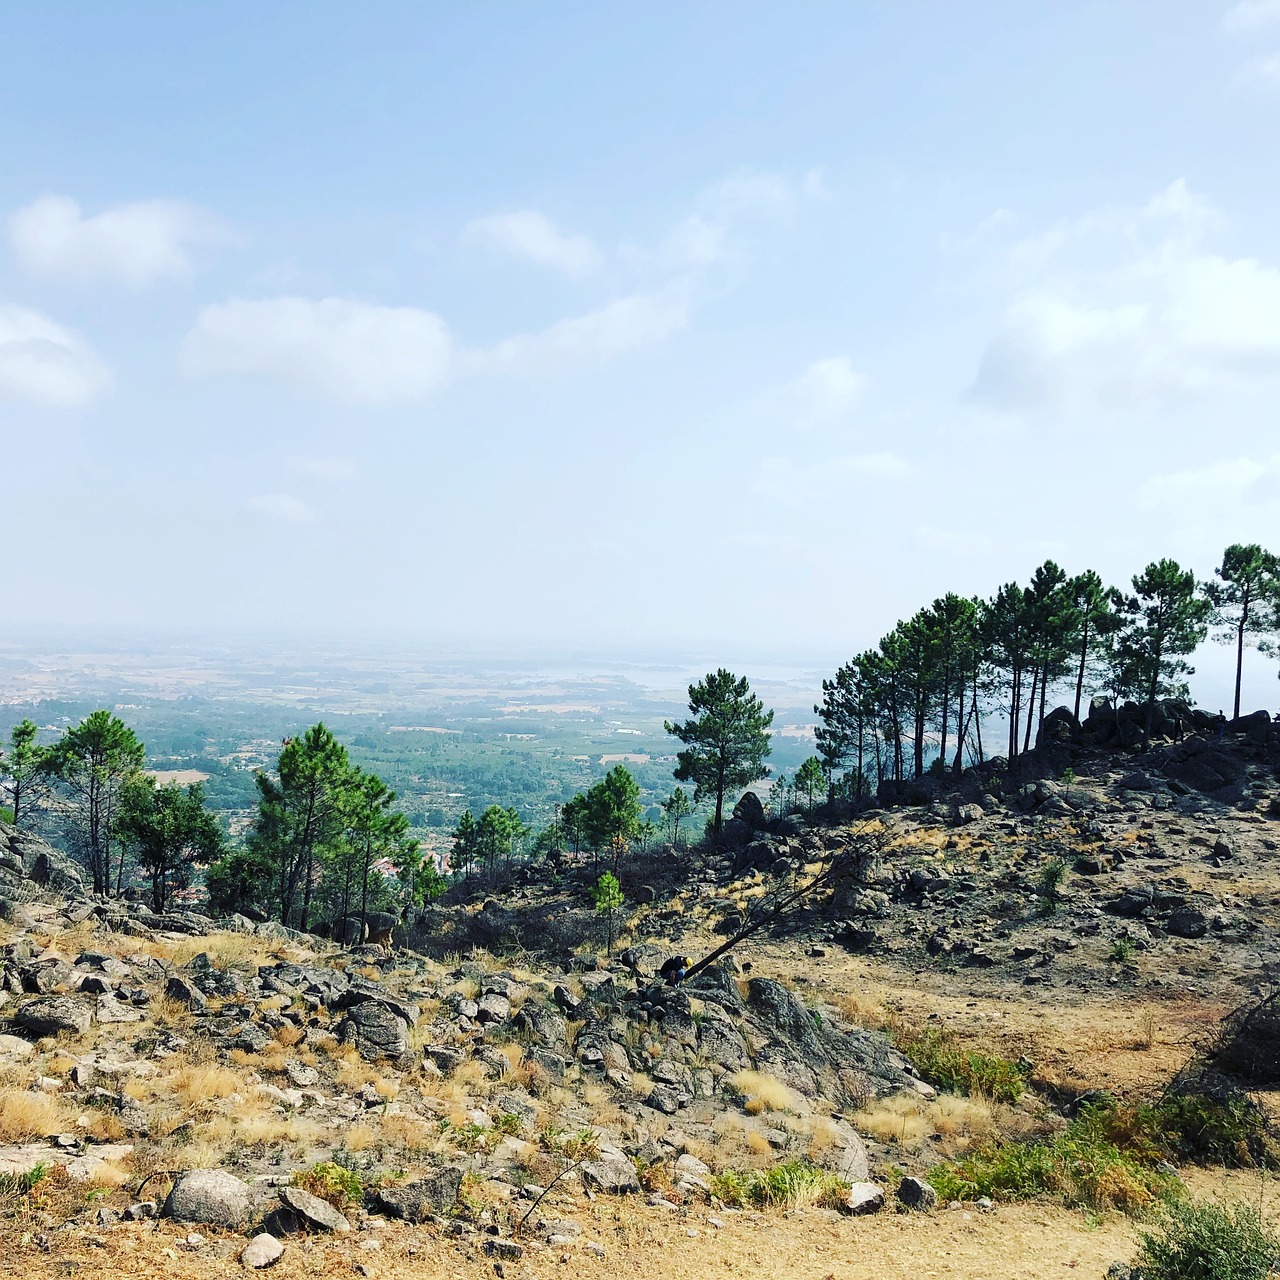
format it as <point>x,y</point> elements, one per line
<point>357,352</point>
<point>134,244</point>
<point>1260,74</point>
<point>1248,15</point>
<point>1227,483</point>
<point>531,235</point>
<point>282,506</point>
<point>638,320</point>
<point>45,363</point>
<point>825,393</point>
<point>1122,307</point>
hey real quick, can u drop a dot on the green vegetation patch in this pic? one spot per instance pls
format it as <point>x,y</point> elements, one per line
<point>793,1184</point>
<point>1209,1241</point>
<point>945,1063</point>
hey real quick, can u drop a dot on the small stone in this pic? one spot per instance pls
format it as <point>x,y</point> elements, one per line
<point>264,1250</point>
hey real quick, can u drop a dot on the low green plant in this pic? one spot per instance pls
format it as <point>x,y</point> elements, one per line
<point>945,1063</point>
<point>1208,1240</point>
<point>794,1184</point>
<point>1049,882</point>
<point>1084,1166</point>
<point>510,1124</point>
<point>1122,951</point>
<point>1228,1129</point>
<point>340,1187</point>
<point>1068,777</point>
<point>19,1184</point>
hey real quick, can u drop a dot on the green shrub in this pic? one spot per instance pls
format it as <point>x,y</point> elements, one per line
<point>1121,951</point>
<point>1209,1241</point>
<point>1049,882</point>
<point>943,1062</point>
<point>794,1184</point>
<point>1230,1129</point>
<point>340,1187</point>
<point>1083,1166</point>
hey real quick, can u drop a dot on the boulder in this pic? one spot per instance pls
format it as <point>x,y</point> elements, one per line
<point>311,1211</point>
<point>1187,922</point>
<point>417,1201</point>
<point>376,1031</point>
<point>211,1196</point>
<point>48,1015</point>
<point>751,811</point>
<point>864,1197</point>
<point>613,1176</point>
<point>915,1193</point>
<point>264,1250</point>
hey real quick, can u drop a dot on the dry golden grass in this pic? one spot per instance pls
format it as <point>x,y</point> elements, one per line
<point>764,1092</point>
<point>360,1137</point>
<point>197,1085</point>
<point>758,1144</point>
<point>25,1115</point>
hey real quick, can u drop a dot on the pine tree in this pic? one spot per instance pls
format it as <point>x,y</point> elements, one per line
<point>93,761</point>
<point>1245,605</point>
<point>726,739</point>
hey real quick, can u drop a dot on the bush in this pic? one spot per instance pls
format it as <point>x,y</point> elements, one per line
<point>795,1184</point>
<point>1209,1241</point>
<point>1084,1166</point>
<point>1214,1124</point>
<point>943,1062</point>
<point>340,1187</point>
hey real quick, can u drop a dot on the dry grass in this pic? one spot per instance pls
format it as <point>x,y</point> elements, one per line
<point>198,1085</point>
<point>360,1137</point>
<point>764,1092</point>
<point>24,1116</point>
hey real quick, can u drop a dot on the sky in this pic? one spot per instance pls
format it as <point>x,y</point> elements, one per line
<point>730,325</point>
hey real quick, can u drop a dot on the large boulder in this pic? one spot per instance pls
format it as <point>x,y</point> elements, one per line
<point>376,1031</point>
<point>751,811</point>
<point>212,1196</point>
<point>417,1201</point>
<point>49,1015</point>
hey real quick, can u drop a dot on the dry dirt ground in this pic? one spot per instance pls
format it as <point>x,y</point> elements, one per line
<point>1015,1242</point>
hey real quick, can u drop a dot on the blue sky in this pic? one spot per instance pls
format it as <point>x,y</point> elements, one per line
<point>742,325</point>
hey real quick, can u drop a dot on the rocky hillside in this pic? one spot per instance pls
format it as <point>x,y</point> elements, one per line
<point>267,1089</point>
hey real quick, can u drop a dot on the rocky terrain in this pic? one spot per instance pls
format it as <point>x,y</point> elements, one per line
<point>236,1095</point>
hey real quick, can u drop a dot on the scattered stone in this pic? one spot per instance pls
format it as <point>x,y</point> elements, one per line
<point>264,1250</point>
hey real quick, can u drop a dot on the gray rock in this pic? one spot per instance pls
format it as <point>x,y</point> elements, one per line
<point>750,811</point>
<point>264,1250</point>
<point>507,1250</point>
<point>313,1211</point>
<point>914,1193</point>
<point>48,1015</point>
<point>615,1177</point>
<point>185,992</point>
<point>1187,922</point>
<point>208,1195</point>
<point>493,1007</point>
<point>375,1031</point>
<point>865,1197</point>
<point>416,1201</point>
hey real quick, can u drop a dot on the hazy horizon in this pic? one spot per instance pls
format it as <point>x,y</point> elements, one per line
<point>712,329</point>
